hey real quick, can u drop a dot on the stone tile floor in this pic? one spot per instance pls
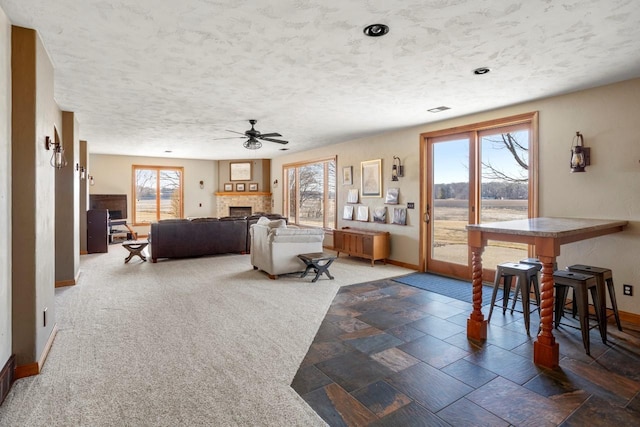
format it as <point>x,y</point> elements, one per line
<point>389,354</point>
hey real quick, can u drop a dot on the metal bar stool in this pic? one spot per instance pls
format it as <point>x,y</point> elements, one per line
<point>525,274</point>
<point>580,283</point>
<point>604,277</point>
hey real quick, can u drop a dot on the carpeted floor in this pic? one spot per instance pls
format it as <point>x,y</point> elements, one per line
<point>452,288</point>
<point>204,341</point>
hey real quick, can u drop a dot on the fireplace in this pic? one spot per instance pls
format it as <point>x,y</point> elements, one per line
<point>239,210</point>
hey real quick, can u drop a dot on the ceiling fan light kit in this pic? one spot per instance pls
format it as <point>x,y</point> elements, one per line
<point>254,143</point>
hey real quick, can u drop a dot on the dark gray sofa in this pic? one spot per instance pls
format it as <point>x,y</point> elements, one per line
<point>202,236</point>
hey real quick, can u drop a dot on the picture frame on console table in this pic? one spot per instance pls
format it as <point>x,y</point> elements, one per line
<point>240,171</point>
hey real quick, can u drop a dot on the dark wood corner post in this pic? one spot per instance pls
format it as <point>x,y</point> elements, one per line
<point>476,324</point>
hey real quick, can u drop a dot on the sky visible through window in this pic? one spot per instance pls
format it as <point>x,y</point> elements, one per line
<point>453,159</point>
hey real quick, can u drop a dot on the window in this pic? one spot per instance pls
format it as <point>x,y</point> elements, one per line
<point>158,193</point>
<point>310,195</point>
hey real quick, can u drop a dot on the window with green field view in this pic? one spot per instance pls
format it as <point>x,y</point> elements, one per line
<point>310,195</point>
<point>158,193</point>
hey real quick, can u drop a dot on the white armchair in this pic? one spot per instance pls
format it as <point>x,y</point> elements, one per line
<point>275,246</point>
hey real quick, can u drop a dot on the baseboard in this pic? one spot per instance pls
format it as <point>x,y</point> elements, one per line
<point>7,377</point>
<point>34,368</point>
<point>403,264</point>
<point>84,253</point>
<point>629,317</point>
<point>63,283</point>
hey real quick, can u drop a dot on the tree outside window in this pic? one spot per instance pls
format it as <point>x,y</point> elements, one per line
<point>158,193</point>
<point>311,193</point>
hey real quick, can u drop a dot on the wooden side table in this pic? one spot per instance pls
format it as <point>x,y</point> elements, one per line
<point>135,247</point>
<point>319,262</point>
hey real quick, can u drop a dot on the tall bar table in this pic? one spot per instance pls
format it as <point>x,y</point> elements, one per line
<point>547,234</point>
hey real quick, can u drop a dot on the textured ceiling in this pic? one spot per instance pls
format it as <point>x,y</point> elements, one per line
<point>148,76</point>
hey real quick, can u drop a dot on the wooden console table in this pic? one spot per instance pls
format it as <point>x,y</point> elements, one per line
<point>373,245</point>
<point>547,234</point>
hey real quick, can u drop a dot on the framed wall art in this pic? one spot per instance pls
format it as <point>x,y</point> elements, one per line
<point>400,216</point>
<point>380,214</point>
<point>371,178</point>
<point>348,212</point>
<point>228,187</point>
<point>240,171</point>
<point>392,196</point>
<point>240,187</point>
<point>253,186</point>
<point>363,213</point>
<point>347,175</point>
<point>352,195</point>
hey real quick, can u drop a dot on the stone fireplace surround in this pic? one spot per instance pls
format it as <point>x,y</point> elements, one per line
<point>259,202</point>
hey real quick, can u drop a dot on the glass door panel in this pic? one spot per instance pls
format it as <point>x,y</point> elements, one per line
<point>504,188</point>
<point>449,210</point>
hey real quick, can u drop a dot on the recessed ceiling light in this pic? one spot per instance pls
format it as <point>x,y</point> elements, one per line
<point>438,109</point>
<point>482,70</point>
<point>376,30</point>
<point>168,151</point>
<point>284,149</point>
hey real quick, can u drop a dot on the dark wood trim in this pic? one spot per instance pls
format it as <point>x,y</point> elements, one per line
<point>34,368</point>
<point>7,377</point>
<point>63,283</point>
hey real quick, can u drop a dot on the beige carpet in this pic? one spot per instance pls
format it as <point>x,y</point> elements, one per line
<point>206,341</point>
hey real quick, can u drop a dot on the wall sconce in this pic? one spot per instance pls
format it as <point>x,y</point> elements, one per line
<point>91,181</point>
<point>275,183</point>
<point>201,184</point>
<point>82,170</point>
<point>397,170</point>
<point>580,155</point>
<point>58,160</point>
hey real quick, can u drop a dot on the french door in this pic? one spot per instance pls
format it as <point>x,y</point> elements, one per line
<point>483,173</point>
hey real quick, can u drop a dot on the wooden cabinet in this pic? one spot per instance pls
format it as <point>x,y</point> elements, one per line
<point>97,230</point>
<point>373,245</point>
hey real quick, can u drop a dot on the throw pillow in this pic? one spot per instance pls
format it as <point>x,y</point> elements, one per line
<point>263,221</point>
<point>278,223</point>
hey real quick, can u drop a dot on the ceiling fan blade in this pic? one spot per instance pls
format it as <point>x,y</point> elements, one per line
<point>275,140</point>
<point>269,135</point>
<point>241,133</point>
<point>230,137</point>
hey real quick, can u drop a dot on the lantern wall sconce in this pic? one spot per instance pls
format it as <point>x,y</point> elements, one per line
<point>91,181</point>
<point>201,184</point>
<point>580,155</point>
<point>397,170</point>
<point>83,171</point>
<point>275,183</point>
<point>58,160</point>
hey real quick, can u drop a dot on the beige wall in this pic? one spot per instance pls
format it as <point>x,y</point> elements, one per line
<point>34,116</point>
<point>5,189</point>
<point>112,175</point>
<point>608,119</point>
<point>67,198</point>
<point>260,173</point>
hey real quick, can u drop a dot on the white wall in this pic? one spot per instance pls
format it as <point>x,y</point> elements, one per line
<point>608,119</point>
<point>113,174</point>
<point>5,189</point>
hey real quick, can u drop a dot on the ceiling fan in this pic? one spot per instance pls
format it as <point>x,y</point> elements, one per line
<point>255,137</point>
